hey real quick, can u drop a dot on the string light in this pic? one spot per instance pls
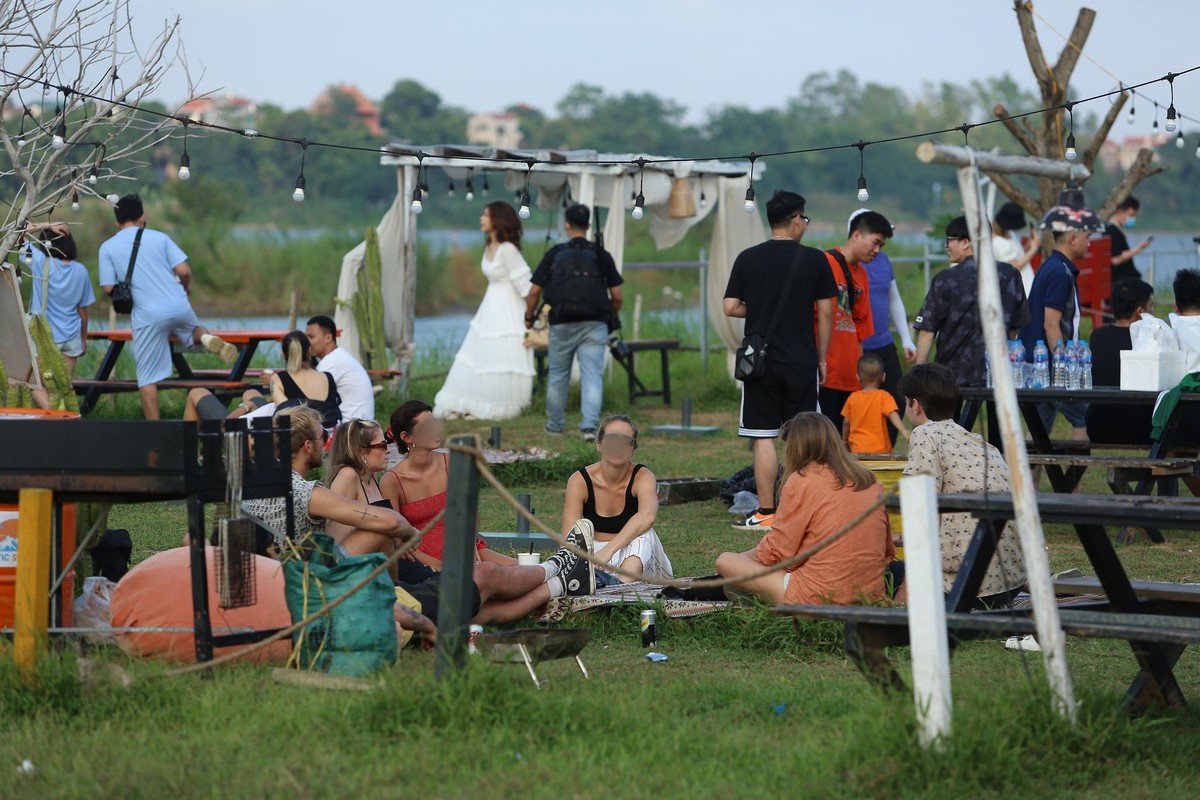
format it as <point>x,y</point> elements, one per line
<point>703,198</point>
<point>470,187</point>
<point>450,189</point>
<point>1070,152</point>
<point>748,206</point>
<point>21,141</point>
<point>524,212</point>
<point>486,188</point>
<point>1154,127</point>
<point>250,133</point>
<point>185,161</point>
<point>1132,98</point>
<point>639,202</point>
<point>863,194</point>
<point>417,207</point>
<point>112,197</point>
<point>60,131</point>
<point>74,199</point>
<point>1179,140</point>
<point>1172,120</point>
<point>298,192</point>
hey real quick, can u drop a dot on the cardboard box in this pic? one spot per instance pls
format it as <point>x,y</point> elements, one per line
<point>1151,372</point>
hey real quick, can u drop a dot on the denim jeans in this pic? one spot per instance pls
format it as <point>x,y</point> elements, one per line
<point>587,340</point>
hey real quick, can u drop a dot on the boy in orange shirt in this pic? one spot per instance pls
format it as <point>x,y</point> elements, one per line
<point>867,412</point>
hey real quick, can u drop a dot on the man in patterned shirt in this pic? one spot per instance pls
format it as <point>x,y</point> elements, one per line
<point>959,461</point>
<point>950,312</point>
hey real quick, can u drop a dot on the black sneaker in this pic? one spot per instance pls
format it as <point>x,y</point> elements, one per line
<point>580,579</point>
<point>588,434</point>
<point>564,559</point>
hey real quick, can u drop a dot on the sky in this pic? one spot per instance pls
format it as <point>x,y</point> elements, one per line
<point>702,54</point>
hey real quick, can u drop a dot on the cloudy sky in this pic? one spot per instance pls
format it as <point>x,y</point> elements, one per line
<point>701,53</point>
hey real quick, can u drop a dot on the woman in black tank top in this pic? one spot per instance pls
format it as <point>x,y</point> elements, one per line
<point>620,499</point>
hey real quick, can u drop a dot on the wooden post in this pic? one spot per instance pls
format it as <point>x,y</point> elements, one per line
<point>926,610</point>
<point>637,316</point>
<point>293,312</point>
<point>201,621</point>
<point>456,591</point>
<point>32,612</point>
<point>934,153</point>
<point>1024,493</point>
<point>408,297</point>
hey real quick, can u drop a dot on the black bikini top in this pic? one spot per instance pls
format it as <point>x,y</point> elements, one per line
<point>612,525</point>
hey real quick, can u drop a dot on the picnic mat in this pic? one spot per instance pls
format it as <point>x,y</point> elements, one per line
<point>637,593</point>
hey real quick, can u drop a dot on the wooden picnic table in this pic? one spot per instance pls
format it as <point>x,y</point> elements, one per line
<point>1157,623</point>
<point>225,383</point>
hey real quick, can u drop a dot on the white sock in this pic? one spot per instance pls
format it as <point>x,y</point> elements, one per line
<point>551,568</point>
<point>556,587</point>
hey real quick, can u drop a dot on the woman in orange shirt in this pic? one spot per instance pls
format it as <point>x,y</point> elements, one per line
<point>825,489</point>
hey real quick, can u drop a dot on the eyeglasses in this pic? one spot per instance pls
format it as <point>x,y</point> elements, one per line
<point>618,440</point>
<point>376,446</point>
<point>950,239</point>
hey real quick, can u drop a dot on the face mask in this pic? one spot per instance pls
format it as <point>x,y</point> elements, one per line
<point>1131,222</point>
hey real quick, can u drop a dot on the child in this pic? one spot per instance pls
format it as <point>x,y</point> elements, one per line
<point>868,411</point>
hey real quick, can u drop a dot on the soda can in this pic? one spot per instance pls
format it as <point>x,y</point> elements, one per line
<point>649,625</point>
<point>472,635</point>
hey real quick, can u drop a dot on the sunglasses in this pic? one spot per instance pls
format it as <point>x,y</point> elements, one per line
<point>618,440</point>
<point>376,446</point>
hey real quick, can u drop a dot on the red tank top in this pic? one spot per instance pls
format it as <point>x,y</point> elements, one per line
<point>418,513</point>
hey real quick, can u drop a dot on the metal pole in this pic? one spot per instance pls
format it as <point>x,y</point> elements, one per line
<point>704,311</point>
<point>1024,493</point>
<point>928,269</point>
<point>526,502</point>
<point>458,562</point>
<point>199,571</point>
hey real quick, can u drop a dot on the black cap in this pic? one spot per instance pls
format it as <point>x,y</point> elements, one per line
<point>578,216</point>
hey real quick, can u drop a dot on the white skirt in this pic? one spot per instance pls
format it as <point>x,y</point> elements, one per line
<point>648,548</point>
<point>492,373</point>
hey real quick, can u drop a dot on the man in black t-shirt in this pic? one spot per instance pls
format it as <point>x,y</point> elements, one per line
<point>1118,424</point>
<point>795,357</point>
<point>1125,216</point>
<point>583,288</point>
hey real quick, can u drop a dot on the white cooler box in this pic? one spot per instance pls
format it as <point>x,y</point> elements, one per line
<point>1151,372</point>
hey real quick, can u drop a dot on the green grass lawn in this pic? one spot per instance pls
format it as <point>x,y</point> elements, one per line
<point>747,705</point>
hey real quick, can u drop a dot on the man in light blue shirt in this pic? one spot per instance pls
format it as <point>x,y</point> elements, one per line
<point>68,293</point>
<point>161,284</point>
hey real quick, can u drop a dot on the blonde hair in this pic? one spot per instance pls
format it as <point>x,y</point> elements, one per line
<point>611,418</point>
<point>295,351</point>
<point>348,444</point>
<point>306,425</point>
<point>812,439</point>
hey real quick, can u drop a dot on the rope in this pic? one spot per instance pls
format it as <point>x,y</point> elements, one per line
<point>323,610</point>
<point>710,583</point>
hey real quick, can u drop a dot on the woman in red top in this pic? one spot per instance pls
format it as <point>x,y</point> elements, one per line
<point>417,485</point>
<point>825,490</point>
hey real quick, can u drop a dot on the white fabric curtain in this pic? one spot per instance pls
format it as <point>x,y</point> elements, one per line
<point>734,231</point>
<point>392,273</point>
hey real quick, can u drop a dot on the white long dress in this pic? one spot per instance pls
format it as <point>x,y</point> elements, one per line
<point>492,373</point>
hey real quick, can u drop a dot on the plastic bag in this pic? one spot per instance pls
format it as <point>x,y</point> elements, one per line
<point>1152,335</point>
<point>92,609</point>
<point>744,503</point>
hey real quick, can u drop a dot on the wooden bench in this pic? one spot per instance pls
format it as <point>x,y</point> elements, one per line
<point>83,385</point>
<point>1157,591</point>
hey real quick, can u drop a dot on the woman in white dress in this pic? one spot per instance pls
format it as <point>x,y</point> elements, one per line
<point>492,374</point>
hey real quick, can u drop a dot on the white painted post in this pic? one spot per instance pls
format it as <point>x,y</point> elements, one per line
<point>1024,494</point>
<point>926,609</point>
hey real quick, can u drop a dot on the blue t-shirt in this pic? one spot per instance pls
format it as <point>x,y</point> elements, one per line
<point>70,289</point>
<point>1053,287</point>
<point>881,277</point>
<point>157,292</point>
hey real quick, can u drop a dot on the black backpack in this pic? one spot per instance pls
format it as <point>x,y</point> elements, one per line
<point>578,290</point>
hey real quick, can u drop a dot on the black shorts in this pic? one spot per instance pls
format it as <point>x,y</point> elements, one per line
<point>767,403</point>
<point>426,592</point>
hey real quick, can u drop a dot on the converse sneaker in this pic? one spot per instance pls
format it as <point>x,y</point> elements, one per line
<point>220,347</point>
<point>756,522</point>
<point>563,559</point>
<point>588,434</point>
<point>580,579</point>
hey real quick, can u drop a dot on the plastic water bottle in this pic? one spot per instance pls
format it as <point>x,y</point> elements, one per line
<point>1072,366</point>
<point>1059,376</point>
<point>1018,363</point>
<point>1041,366</point>
<point>1085,366</point>
<point>987,368</point>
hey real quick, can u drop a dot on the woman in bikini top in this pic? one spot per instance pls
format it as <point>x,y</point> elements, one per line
<point>417,485</point>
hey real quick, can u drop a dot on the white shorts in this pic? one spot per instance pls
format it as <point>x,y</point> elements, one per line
<point>72,347</point>
<point>152,345</point>
<point>648,548</point>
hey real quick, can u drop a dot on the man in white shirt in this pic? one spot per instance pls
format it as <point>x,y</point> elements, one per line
<point>353,383</point>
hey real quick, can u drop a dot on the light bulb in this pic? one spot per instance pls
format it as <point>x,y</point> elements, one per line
<point>58,143</point>
<point>1198,150</point>
<point>748,206</point>
<point>863,194</point>
<point>450,190</point>
<point>28,257</point>
<point>524,212</point>
<point>1154,128</point>
<point>92,177</point>
<point>74,201</point>
<point>470,195</point>
<point>470,190</point>
<point>703,200</point>
<point>1172,119</point>
<point>1179,140</point>
<point>485,186</point>
<point>639,206</point>
<point>416,206</point>
<point>112,197</point>
<point>250,133</point>
<point>1129,118</point>
<point>298,194</point>
<point>1070,153</point>
<point>21,142</point>
<point>185,167</point>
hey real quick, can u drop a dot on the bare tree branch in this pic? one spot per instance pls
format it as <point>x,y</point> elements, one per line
<point>1014,193</point>
<point>1071,51</point>
<point>1142,167</point>
<point>1093,149</point>
<point>1022,135</point>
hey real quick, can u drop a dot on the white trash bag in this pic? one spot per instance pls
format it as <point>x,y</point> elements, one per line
<point>92,609</point>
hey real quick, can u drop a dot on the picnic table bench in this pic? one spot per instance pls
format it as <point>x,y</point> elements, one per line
<point>628,362</point>
<point>1157,621</point>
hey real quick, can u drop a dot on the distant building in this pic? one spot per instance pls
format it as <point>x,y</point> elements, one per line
<point>364,109</point>
<point>1119,157</point>
<point>501,129</point>
<point>230,110</point>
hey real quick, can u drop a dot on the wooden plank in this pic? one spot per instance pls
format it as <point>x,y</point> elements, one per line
<point>455,591</point>
<point>32,608</point>
<point>1150,590</point>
